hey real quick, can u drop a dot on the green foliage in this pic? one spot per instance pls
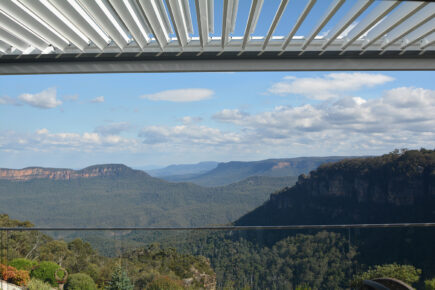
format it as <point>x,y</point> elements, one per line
<point>165,283</point>
<point>156,262</point>
<point>133,195</point>
<point>80,281</point>
<point>429,284</point>
<point>406,273</point>
<point>319,261</point>
<point>46,272</point>
<point>35,284</point>
<point>119,281</point>
<point>23,264</point>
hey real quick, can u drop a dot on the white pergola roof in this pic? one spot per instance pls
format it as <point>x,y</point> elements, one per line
<point>83,36</point>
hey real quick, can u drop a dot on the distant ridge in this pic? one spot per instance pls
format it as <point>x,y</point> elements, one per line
<point>183,169</point>
<point>234,171</point>
<point>29,173</point>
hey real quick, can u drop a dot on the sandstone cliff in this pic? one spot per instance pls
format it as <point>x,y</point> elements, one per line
<point>66,174</point>
<point>396,187</point>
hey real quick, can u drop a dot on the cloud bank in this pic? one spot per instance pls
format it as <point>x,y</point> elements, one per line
<point>329,86</point>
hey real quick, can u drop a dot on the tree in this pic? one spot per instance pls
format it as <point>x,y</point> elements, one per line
<point>80,281</point>
<point>120,280</point>
<point>406,273</point>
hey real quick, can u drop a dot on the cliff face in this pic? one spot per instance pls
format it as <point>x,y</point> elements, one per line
<point>65,174</point>
<point>392,187</point>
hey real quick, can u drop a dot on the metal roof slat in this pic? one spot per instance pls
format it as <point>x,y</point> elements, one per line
<point>418,34</point>
<point>20,31</point>
<point>369,21</point>
<point>187,15</point>
<point>254,15</point>
<point>94,10</point>
<point>428,41</point>
<point>210,15</point>
<point>335,5</point>
<point>31,23</point>
<point>274,23</point>
<point>228,20</point>
<point>155,21</point>
<point>392,20</point>
<point>202,11</point>
<point>346,21</point>
<point>4,47</point>
<point>179,19</point>
<point>51,19</point>
<point>141,38</point>
<point>80,22</point>
<point>298,24</point>
<point>409,25</point>
<point>165,18</point>
<point>12,40</point>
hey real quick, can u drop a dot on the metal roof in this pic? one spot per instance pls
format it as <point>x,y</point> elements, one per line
<point>85,36</point>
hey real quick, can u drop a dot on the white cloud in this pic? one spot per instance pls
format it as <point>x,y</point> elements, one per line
<point>43,140</point>
<point>189,120</point>
<point>180,95</point>
<point>402,117</point>
<point>6,100</point>
<point>46,99</point>
<point>99,99</point>
<point>187,134</point>
<point>330,86</point>
<point>113,128</point>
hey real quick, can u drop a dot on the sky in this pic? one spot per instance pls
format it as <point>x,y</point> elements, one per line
<point>147,120</point>
<point>73,121</point>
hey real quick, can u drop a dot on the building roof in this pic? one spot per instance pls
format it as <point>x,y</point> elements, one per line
<point>84,36</point>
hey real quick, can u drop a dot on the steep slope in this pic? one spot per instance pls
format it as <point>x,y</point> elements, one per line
<point>116,195</point>
<point>396,187</point>
<point>226,173</point>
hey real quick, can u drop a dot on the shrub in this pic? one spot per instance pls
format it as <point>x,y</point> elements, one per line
<point>165,283</point>
<point>23,264</point>
<point>429,284</point>
<point>14,276</point>
<point>46,271</point>
<point>119,281</point>
<point>80,281</point>
<point>406,273</point>
<point>35,284</point>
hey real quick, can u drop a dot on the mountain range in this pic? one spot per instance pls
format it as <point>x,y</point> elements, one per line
<point>225,173</point>
<point>116,195</point>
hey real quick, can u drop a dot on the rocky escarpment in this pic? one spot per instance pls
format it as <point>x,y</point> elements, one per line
<point>395,187</point>
<point>66,174</point>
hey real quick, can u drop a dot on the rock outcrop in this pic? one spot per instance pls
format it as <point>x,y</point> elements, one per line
<point>396,187</point>
<point>66,174</point>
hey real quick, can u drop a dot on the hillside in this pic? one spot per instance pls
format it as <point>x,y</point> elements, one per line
<point>116,195</point>
<point>396,187</point>
<point>183,169</point>
<point>229,172</point>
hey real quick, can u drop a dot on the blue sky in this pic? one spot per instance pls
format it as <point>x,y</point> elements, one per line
<point>158,119</point>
